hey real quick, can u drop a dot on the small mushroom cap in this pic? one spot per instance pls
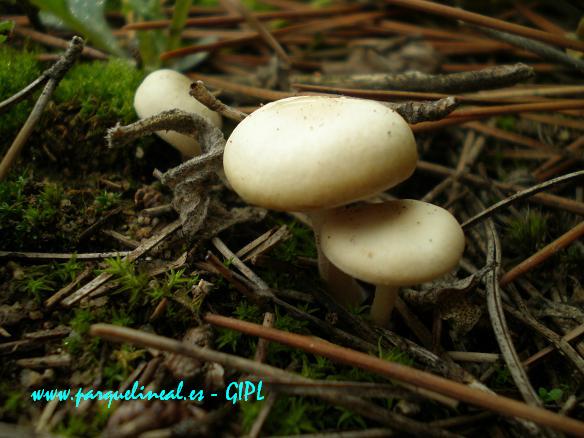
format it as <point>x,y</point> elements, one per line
<point>396,243</point>
<point>164,90</point>
<point>312,152</point>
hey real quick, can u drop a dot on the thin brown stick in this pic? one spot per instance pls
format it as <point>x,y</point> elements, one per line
<point>539,20</point>
<point>262,30</point>
<point>260,93</point>
<point>510,136</point>
<point>62,293</point>
<point>521,195</point>
<point>519,108</point>
<point>525,316</point>
<point>221,20</point>
<point>572,334</point>
<point>316,26</point>
<point>398,27</point>
<point>60,69</point>
<point>369,410</point>
<point>232,258</point>
<point>482,20</point>
<point>60,43</point>
<point>543,254</point>
<point>495,403</point>
<point>242,252</point>
<point>555,120</point>
<point>539,90</point>
<point>391,95</point>
<point>572,147</point>
<point>542,198</point>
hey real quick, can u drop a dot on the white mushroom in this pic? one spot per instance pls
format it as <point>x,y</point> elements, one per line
<point>392,244</point>
<point>312,153</point>
<point>164,90</point>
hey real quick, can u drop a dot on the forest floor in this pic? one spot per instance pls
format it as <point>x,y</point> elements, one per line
<point>105,282</point>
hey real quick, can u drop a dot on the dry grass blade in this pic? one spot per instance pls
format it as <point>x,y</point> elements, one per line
<point>495,403</point>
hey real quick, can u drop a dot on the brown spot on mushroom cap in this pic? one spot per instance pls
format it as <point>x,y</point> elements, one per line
<point>409,247</point>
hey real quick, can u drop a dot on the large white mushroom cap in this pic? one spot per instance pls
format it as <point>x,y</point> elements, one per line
<point>313,152</point>
<point>164,90</point>
<point>396,243</point>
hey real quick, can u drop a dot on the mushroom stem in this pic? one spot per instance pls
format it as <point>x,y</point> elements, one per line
<point>383,303</point>
<point>341,286</point>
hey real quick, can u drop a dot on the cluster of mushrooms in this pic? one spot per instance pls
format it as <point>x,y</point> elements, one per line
<point>321,155</point>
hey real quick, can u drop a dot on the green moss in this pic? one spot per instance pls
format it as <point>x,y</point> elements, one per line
<point>528,233</point>
<point>75,425</point>
<point>101,89</point>
<point>31,214</point>
<point>17,70</point>
<point>40,281</point>
<point>506,123</point>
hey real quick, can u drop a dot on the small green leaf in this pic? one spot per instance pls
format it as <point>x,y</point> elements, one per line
<point>85,17</point>
<point>5,28</point>
<point>555,394</point>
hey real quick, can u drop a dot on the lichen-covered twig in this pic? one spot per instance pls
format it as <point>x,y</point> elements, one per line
<point>190,180</point>
<point>54,75</point>
<point>487,78</point>
<point>416,112</point>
